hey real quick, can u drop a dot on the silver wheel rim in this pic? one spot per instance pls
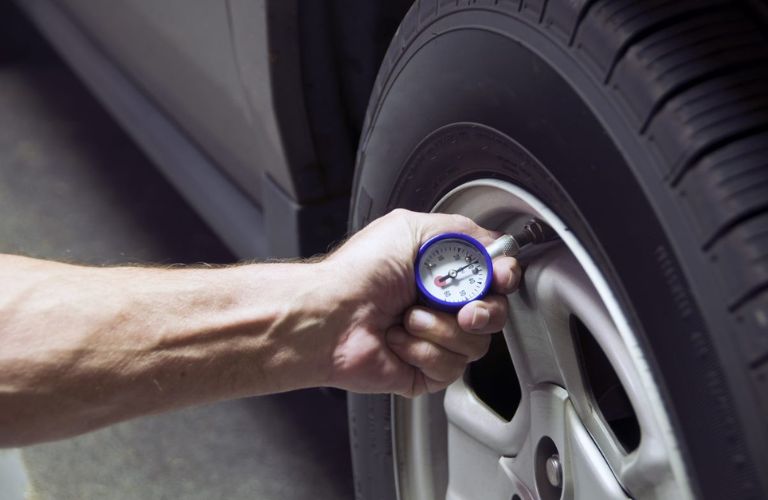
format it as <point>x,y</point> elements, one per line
<point>486,456</point>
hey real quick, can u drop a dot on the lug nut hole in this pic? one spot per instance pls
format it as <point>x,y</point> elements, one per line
<point>549,470</point>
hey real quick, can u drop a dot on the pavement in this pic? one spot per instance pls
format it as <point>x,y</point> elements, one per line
<point>73,187</point>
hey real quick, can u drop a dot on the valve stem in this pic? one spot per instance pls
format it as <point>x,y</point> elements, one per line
<point>534,232</point>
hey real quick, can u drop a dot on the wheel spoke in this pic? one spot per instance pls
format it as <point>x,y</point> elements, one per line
<point>558,290</point>
<point>540,332</point>
<point>474,469</point>
<point>470,415</point>
<point>591,476</point>
<point>556,434</point>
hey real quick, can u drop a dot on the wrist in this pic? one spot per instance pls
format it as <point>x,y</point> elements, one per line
<point>307,310</point>
<point>327,308</point>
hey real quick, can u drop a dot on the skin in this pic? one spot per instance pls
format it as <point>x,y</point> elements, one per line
<point>85,347</point>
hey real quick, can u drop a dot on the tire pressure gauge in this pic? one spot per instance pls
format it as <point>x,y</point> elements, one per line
<point>453,269</point>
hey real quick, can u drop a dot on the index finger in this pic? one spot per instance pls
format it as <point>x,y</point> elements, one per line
<point>436,223</point>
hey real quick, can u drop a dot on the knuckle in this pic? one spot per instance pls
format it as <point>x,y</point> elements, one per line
<point>454,334</point>
<point>429,354</point>
<point>418,319</point>
<point>455,369</point>
<point>399,213</point>
<point>499,306</point>
<point>442,333</point>
<point>497,324</point>
<point>434,386</point>
<point>462,220</point>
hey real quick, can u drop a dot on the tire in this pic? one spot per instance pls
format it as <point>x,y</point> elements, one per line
<point>644,126</point>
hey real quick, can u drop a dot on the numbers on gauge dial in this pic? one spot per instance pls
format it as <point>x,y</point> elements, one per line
<point>453,270</point>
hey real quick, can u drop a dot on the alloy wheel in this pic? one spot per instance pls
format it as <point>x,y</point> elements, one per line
<point>563,406</point>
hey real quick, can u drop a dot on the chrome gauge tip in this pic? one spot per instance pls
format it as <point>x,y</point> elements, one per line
<point>509,245</point>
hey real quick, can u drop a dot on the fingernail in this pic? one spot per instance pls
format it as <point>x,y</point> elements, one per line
<point>395,337</point>
<point>421,319</point>
<point>480,318</point>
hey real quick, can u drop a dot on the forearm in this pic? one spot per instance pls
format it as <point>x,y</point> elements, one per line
<point>84,347</point>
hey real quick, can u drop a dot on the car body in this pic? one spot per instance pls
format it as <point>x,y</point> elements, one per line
<point>251,108</point>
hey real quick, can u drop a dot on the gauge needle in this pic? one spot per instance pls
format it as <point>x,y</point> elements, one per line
<point>441,280</point>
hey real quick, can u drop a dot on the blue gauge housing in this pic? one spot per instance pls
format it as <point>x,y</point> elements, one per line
<point>435,302</point>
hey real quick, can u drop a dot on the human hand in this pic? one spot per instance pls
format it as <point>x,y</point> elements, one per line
<point>391,345</point>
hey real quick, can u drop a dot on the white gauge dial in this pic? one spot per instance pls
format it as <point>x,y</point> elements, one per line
<point>453,270</point>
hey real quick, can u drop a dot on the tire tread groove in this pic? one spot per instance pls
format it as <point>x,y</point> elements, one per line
<point>650,30</point>
<point>688,84</point>
<point>727,228</point>
<point>748,296</point>
<point>583,13</point>
<point>678,173</point>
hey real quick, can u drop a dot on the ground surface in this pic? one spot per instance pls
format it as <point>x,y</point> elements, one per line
<point>73,187</point>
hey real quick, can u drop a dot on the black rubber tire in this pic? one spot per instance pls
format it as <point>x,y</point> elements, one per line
<point>647,128</point>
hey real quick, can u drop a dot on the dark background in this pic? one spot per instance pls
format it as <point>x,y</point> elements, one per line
<point>73,187</point>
